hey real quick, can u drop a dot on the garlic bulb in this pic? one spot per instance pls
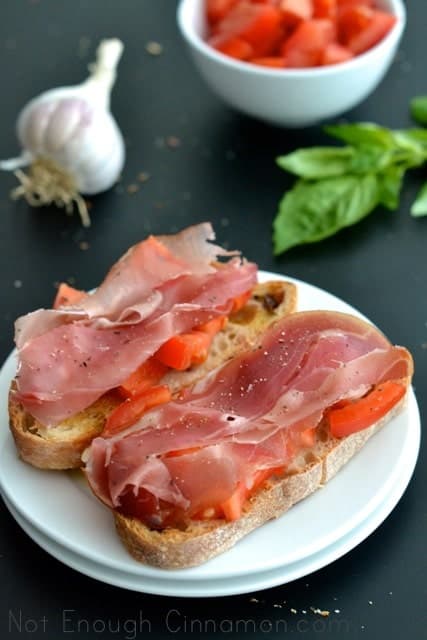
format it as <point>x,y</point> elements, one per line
<point>70,140</point>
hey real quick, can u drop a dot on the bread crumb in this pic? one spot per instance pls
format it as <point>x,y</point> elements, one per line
<point>277,606</point>
<point>253,600</point>
<point>84,245</point>
<point>370,602</point>
<point>143,176</point>
<point>132,188</point>
<point>293,611</point>
<point>154,48</point>
<point>337,610</point>
<point>173,142</point>
<point>321,612</point>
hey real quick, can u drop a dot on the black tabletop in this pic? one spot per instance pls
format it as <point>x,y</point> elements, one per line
<point>206,162</point>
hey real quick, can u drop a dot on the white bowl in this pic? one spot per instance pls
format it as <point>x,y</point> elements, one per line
<point>289,97</point>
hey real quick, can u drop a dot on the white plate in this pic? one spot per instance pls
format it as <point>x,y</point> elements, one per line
<point>60,506</point>
<point>230,585</point>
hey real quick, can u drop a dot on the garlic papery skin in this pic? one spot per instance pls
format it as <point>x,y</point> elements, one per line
<point>71,140</point>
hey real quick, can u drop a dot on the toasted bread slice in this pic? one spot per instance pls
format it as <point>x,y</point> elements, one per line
<point>61,447</point>
<point>203,540</point>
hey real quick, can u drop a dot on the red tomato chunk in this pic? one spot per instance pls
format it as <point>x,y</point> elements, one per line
<point>295,33</point>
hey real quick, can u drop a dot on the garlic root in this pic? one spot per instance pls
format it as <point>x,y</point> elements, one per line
<point>46,184</point>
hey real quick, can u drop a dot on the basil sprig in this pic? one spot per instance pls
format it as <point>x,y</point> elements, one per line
<point>338,186</point>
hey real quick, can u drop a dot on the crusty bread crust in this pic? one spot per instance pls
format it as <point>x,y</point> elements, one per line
<point>61,447</point>
<point>203,540</point>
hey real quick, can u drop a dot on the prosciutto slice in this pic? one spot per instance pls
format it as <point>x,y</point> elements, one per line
<point>246,415</point>
<point>161,287</point>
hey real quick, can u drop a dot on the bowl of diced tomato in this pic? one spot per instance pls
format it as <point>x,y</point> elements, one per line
<point>292,62</point>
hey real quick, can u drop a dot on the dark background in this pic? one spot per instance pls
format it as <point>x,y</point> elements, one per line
<point>222,170</point>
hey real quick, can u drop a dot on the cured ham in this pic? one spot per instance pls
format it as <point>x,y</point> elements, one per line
<point>69,357</point>
<point>192,453</point>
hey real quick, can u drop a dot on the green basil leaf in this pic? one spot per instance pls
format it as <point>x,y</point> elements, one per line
<point>312,211</point>
<point>318,162</point>
<point>411,139</point>
<point>419,109</point>
<point>411,147</point>
<point>390,185</point>
<point>419,208</point>
<point>414,135</point>
<point>371,159</point>
<point>362,134</point>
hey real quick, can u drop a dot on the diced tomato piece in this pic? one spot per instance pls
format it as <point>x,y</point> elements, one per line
<point>232,508</point>
<point>129,411</point>
<point>306,46</point>
<point>216,10</point>
<point>352,20</point>
<point>284,33</point>
<point>308,437</point>
<point>67,296</point>
<point>295,11</point>
<point>240,301</point>
<point>188,349</point>
<point>258,24</point>
<point>154,512</point>
<point>185,350</point>
<point>325,9</point>
<point>213,326</point>
<point>138,506</point>
<point>364,412</point>
<point>231,46</point>
<point>379,26</point>
<point>336,53</point>
<point>262,475</point>
<point>147,375</point>
<point>270,61</point>
<point>352,3</point>
<point>339,405</point>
